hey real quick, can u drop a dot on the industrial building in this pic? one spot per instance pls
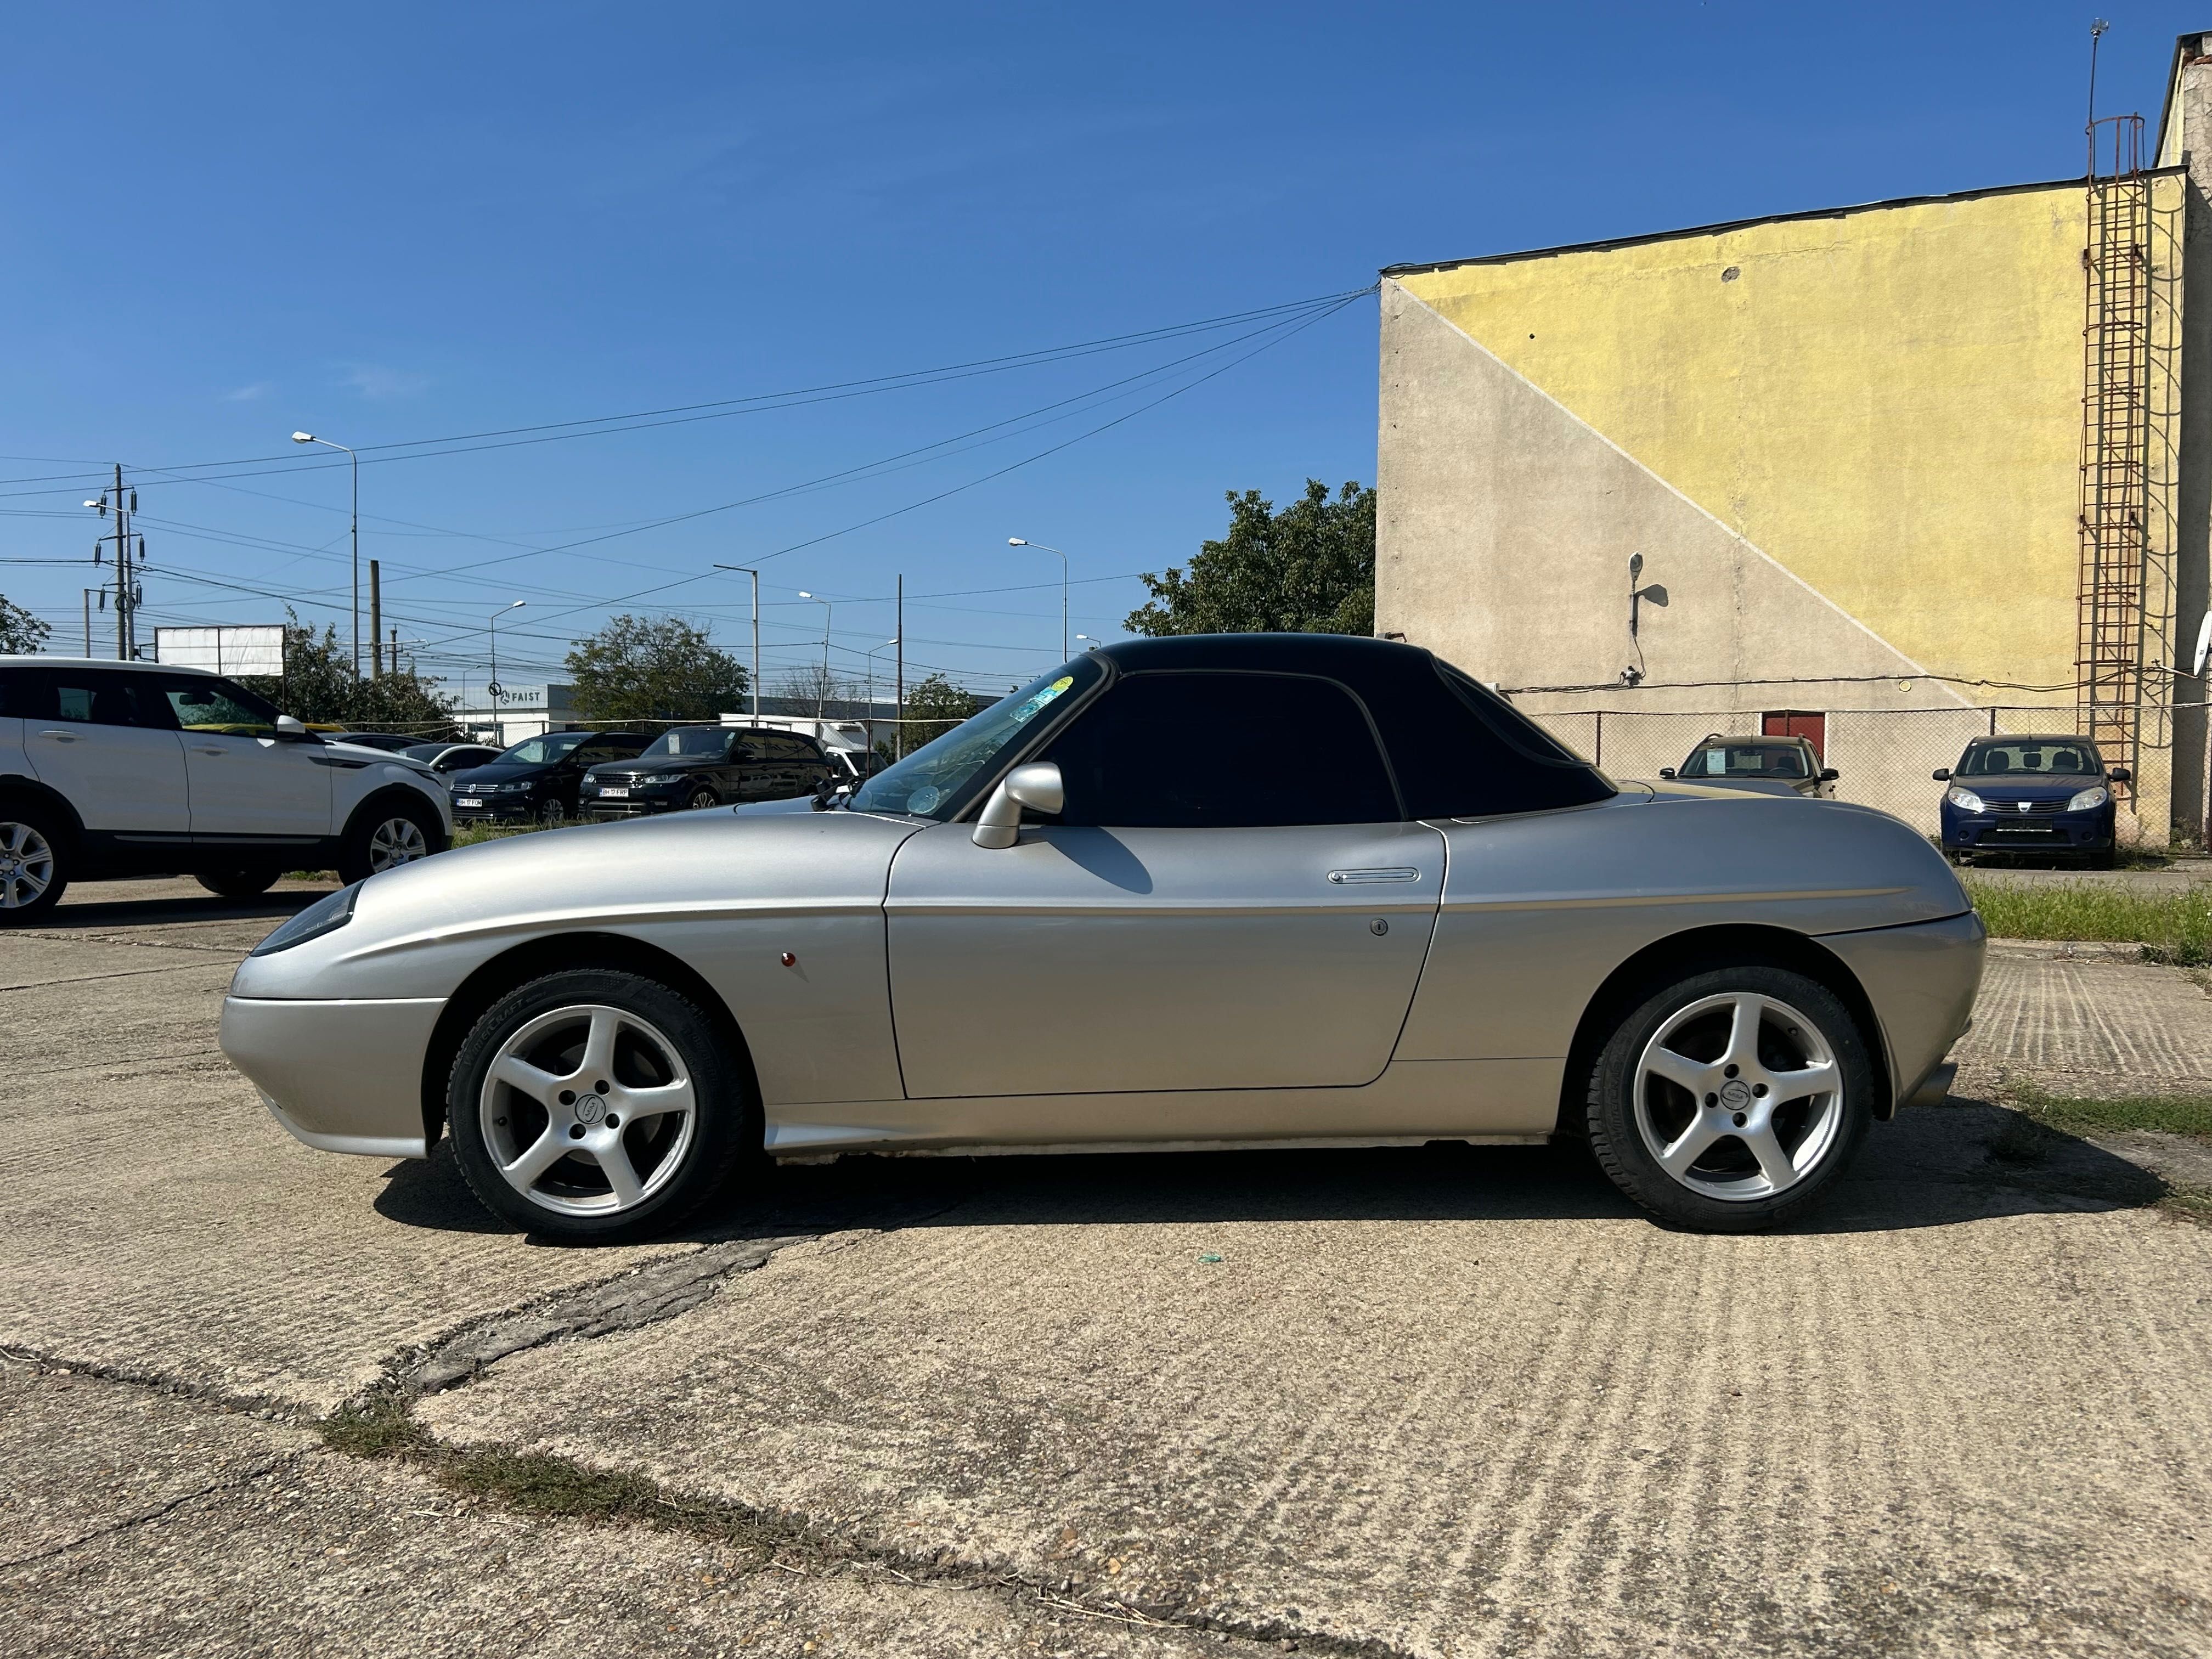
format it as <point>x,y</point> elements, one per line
<point>1889,475</point>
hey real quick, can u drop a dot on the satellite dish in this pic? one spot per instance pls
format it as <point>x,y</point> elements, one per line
<point>2203,645</point>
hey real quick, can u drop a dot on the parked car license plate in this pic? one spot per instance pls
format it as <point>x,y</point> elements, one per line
<point>468,800</point>
<point>618,794</point>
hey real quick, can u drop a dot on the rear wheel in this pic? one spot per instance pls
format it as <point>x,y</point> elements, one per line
<point>596,1106</point>
<point>1731,1100</point>
<point>243,883</point>
<point>34,864</point>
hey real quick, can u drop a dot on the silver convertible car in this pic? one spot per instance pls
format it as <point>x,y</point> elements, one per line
<point>1227,891</point>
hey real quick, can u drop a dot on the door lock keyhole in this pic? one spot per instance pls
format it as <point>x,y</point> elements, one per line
<point>1378,927</point>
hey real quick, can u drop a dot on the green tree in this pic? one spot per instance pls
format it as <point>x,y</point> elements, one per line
<point>318,686</point>
<point>21,632</point>
<point>933,708</point>
<point>654,668</point>
<point>1308,569</point>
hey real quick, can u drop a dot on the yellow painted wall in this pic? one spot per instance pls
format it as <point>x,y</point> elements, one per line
<point>1887,402</point>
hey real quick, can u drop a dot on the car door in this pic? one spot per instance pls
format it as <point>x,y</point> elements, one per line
<point>247,782</point>
<point>1204,915</point>
<point>103,737</point>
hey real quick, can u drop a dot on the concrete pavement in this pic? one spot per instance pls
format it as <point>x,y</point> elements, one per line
<point>1436,1401</point>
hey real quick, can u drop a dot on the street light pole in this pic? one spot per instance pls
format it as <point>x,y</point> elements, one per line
<point>885,646</point>
<point>744,571</point>
<point>1016,541</point>
<point>492,686</point>
<point>310,438</point>
<point>822,685</point>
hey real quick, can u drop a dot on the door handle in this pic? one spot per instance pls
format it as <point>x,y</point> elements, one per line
<point>60,737</point>
<point>198,749</point>
<point>1397,872</point>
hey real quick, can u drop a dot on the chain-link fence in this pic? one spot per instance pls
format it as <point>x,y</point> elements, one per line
<point>1884,757</point>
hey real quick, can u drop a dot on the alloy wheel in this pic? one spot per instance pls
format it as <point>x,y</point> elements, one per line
<point>703,798</point>
<point>27,865</point>
<point>588,1110</point>
<point>395,841</point>
<point>1738,1096</point>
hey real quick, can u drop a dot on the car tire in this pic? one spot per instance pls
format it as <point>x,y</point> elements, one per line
<point>245,882</point>
<point>2105,858</point>
<point>1677,1084</point>
<point>36,861</point>
<point>701,798</point>
<point>546,1148</point>
<point>384,835</point>
<point>553,814</point>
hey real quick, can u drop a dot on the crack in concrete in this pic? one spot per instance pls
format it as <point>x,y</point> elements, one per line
<point>644,1296</point>
<point>131,1523</point>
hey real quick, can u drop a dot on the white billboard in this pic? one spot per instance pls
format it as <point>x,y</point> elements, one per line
<point>228,648</point>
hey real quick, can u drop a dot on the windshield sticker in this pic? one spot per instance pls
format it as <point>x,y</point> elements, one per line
<point>922,799</point>
<point>1027,710</point>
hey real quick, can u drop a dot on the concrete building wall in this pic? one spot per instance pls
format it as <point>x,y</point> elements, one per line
<point>1847,445</point>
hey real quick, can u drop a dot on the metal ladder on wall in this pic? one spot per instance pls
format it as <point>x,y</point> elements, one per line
<point>2115,443</point>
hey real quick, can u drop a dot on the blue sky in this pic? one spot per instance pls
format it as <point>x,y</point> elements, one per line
<point>221,223</point>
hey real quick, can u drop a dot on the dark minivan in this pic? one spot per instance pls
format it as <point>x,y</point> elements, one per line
<point>539,777</point>
<point>696,766</point>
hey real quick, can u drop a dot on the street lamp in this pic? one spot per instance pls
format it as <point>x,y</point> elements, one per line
<point>822,685</point>
<point>745,570</point>
<point>310,438</point>
<point>492,689</point>
<point>885,646</point>
<point>1016,541</point>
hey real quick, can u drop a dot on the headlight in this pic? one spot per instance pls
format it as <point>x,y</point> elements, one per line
<point>2096,795</point>
<point>325,915</point>
<point>1965,799</point>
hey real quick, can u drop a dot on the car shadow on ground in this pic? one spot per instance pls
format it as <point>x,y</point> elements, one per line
<point>153,911</point>
<point>1936,1167</point>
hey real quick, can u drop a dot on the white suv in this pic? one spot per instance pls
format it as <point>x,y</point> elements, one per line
<point>117,769</point>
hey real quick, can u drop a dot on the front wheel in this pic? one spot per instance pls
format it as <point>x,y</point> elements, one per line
<point>596,1106</point>
<point>1731,1100</point>
<point>701,798</point>
<point>34,864</point>
<point>384,836</point>
<point>244,882</point>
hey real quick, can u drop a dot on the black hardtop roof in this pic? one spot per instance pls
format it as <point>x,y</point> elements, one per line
<point>1342,656</point>
<point>2031,736</point>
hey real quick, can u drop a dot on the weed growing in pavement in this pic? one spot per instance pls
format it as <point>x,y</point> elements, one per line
<point>383,1426</point>
<point>2172,927</point>
<point>2169,1115</point>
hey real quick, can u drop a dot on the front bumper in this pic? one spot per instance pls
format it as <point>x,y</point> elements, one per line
<point>2027,832</point>
<point>1922,979</point>
<point>631,806</point>
<point>343,1077</point>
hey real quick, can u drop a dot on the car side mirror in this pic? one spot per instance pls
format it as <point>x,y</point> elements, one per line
<point>1829,774</point>
<point>290,730</point>
<point>2121,774</point>
<point>1942,775</point>
<point>1036,786</point>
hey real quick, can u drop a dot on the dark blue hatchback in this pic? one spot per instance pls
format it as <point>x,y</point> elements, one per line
<point>2031,794</point>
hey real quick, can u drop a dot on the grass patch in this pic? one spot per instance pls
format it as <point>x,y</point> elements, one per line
<point>383,1427</point>
<point>2166,1114</point>
<point>2172,927</point>
<point>469,835</point>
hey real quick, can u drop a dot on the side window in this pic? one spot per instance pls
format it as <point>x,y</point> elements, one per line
<point>1461,751</point>
<point>24,695</point>
<point>1223,752</point>
<point>104,697</point>
<point>213,705</point>
<point>591,754</point>
<point>783,746</point>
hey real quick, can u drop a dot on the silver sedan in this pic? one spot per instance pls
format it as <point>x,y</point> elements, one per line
<point>1200,892</point>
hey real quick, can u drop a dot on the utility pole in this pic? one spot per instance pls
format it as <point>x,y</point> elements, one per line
<point>126,588</point>
<point>376,622</point>
<point>898,740</point>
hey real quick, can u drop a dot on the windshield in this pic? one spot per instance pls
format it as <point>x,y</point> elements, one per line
<point>1744,760</point>
<point>709,742</point>
<point>542,751</point>
<point>2069,757</point>
<point>932,781</point>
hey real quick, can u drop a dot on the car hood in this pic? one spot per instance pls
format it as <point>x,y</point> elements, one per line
<point>1756,785</point>
<point>482,777</point>
<point>362,753</point>
<point>418,930</point>
<point>659,763</point>
<point>2049,785</point>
